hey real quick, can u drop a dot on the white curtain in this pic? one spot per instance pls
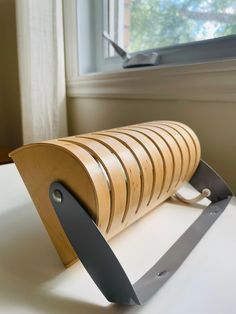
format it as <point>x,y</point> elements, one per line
<point>41,69</point>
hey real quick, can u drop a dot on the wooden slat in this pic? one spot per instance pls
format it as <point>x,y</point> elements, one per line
<point>189,143</point>
<point>176,156</point>
<point>181,145</point>
<point>155,157</point>
<point>115,175</point>
<point>131,168</point>
<point>143,161</point>
<point>194,139</point>
<point>165,153</point>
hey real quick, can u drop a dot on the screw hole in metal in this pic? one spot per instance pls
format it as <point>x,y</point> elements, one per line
<point>162,273</point>
<point>214,212</point>
<point>57,196</point>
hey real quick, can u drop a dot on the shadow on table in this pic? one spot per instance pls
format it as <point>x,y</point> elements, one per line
<point>27,260</point>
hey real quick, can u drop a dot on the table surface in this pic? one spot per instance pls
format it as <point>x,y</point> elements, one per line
<point>33,279</point>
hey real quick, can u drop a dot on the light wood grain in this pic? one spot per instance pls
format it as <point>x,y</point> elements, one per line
<point>175,153</point>
<point>43,163</point>
<point>155,157</point>
<point>119,175</point>
<point>189,144</point>
<point>164,152</point>
<point>131,169</point>
<point>178,139</point>
<point>194,140</point>
<point>144,164</point>
<point>116,176</point>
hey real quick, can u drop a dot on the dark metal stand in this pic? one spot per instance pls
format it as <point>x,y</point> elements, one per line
<point>99,259</point>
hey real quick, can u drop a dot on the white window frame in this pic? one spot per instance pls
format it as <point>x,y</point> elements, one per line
<point>80,54</point>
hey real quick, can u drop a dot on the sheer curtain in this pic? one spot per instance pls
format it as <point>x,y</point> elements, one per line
<point>41,69</point>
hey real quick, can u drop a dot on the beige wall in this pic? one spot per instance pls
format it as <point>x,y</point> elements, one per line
<point>10,114</point>
<point>3,134</point>
<point>214,123</point>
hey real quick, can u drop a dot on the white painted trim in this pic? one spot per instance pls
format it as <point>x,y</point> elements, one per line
<point>211,81</point>
<point>103,63</point>
<point>83,53</point>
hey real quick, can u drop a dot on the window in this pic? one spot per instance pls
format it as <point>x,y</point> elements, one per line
<point>138,25</point>
<point>182,31</point>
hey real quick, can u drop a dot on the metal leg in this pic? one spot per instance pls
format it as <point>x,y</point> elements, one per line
<point>97,256</point>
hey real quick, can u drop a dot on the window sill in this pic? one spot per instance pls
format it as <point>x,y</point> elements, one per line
<point>208,81</point>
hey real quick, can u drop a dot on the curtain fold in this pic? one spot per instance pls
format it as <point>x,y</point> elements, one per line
<point>41,69</point>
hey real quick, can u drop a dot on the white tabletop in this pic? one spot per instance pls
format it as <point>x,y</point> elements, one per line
<point>33,280</point>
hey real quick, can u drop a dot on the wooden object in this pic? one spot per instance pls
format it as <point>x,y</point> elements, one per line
<point>119,175</point>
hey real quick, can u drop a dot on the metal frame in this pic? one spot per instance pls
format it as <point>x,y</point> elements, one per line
<point>97,256</point>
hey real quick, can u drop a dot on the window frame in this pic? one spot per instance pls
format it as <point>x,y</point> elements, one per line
<point>81,57</point>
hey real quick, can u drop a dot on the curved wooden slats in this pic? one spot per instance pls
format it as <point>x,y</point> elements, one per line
<point>144,162</point>
<point>119,175</point>
<point>195,141</point>
<point>131,169</point>
<point>183,149</point>
<point>115,174</point>
<point>189,144</point>
<point>164,152</point>
<point>174,149</point>
<point>155,157</point>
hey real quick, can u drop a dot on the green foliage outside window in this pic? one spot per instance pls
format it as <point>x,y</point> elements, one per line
<point>160,23</point>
